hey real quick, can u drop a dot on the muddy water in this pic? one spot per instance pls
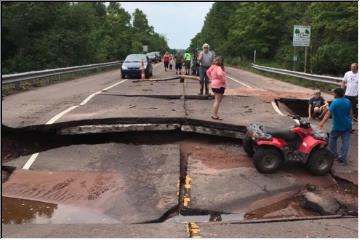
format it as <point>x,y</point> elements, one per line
<point>18,211</point>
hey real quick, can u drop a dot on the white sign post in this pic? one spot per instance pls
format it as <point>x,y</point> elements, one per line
<point>301,38</point>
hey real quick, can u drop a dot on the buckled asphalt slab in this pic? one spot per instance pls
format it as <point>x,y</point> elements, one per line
<point>129,183</point>
<point>160,230</point>
<point>218,185</point>
<point>334,228</point>
<point>345,228</point>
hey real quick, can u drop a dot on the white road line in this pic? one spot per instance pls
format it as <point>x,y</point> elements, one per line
<point>33,157</point>
<point>89,98</point>
<point>56,117</point>
<point>235,80</point>
<point>105,89</point>
<point>273,103</point>
<point>30,161</point>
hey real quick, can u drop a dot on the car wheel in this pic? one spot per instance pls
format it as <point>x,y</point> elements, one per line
<point>320,161</point>
<point>248,145</point>
<point>122,75</point>
<point>267,159</point>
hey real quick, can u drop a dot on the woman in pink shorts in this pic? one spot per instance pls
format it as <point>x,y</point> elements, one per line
<point>218,84</point>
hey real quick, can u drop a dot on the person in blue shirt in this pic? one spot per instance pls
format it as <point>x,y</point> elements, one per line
<point>340,111</point>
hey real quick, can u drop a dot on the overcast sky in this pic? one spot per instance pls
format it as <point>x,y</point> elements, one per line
<point>178,21</point>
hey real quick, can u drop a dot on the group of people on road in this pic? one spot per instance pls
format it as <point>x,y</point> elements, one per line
<point>343,111</point>
<point>178,60</point>
<point>343,108</point>
<point>208,67</point>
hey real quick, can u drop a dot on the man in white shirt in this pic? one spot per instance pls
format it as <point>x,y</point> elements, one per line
<point>350,83</point>
<point>205,58</point>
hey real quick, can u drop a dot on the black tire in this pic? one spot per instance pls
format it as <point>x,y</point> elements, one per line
<point>320,161</point>
<point>267,159</point>
<point>123,76</point>
<point>248,145</point>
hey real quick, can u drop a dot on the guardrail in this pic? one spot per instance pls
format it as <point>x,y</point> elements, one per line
<point>19,77</point>
<point>307,76</point>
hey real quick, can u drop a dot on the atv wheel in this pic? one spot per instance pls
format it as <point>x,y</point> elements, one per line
<point>267,159</point>
<point>248,145</point>
<point>320,162</point>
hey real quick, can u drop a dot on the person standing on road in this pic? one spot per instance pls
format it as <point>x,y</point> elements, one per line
<point>340,110</point>
<point>350,83</point>
<point>205,58</point>
<point>178,63</point>
<point>195,65</point>
<point>218,84</point>
<point>187,59</point>
<point>166,59</point>
<point>171,62</point>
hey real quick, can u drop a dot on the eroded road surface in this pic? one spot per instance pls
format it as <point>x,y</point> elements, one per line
<point>113,154</point>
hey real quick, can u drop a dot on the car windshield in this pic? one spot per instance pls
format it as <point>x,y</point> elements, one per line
<point>135,58</point>
<point>150,54</point>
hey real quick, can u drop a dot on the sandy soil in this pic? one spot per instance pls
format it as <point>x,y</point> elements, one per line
<point>217,156</point>
<point>270,95</point>
<point>91,189</point>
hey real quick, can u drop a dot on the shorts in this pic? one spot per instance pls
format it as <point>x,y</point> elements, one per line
<point>187,64</point>
<point>178,66</point>
<point>166,64</point>
<point>316,114</point>
<point>218,90</point>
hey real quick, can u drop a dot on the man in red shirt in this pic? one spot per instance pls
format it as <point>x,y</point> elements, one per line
<point>166,59</point>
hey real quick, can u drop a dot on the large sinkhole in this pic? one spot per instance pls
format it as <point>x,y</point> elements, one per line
<point>95,173</point>
<point>153,176</point>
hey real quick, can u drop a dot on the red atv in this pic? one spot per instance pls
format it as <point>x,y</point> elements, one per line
<point>269,147</point>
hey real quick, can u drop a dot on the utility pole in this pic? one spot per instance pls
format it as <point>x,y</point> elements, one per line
<point>294,58</point>
<point>305,61</point>
<point>254,56</point>
<point>311,60</point>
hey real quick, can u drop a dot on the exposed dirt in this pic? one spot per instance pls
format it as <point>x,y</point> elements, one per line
<point>288,207</point>
<point>217,156</point>
<point>269,95</point>
<point>92,189</point>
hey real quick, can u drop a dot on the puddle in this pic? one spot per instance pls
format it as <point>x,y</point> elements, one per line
<point>19,211</point>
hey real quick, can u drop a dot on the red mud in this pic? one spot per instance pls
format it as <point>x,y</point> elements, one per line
<point>216,156</point>
<point>279,207</point>
<point>269,95</point>
<point>88,189</point>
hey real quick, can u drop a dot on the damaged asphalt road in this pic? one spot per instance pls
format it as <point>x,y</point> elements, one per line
<point>148,153</point>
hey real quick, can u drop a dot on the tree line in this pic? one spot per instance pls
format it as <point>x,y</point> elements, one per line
<point>43,35</point>
<point>235,30</point>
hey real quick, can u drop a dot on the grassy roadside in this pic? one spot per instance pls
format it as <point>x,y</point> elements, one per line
<point>9,89</point>
<point>325,87</point>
